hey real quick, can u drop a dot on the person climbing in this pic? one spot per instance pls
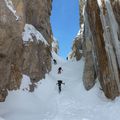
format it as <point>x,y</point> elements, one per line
<point>55,62</point>
<point>59,82</point>
<point>59,70</point>
<point>66,58</point>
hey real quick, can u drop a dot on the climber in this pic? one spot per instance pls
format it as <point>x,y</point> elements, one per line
<point>55,62</point>
<point>59,84</point>
<point>59,70</point>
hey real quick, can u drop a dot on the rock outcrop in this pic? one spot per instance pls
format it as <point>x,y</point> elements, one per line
<point>38,60</point>
<point>101,45</point>
<point>76,48</point>
<point>38,14</point>
<point>55,46</point>
<point>10,50</point>
<point>17,57</point>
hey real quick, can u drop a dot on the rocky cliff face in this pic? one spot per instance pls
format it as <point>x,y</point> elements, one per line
<point>101,45</point>
<point>21,54</point>
<point>38,60</point>
<point>76,48</point>
<point>55,46</point>
<point>38,14</point>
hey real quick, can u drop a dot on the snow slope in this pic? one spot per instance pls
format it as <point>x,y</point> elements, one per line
<point>74,102</point>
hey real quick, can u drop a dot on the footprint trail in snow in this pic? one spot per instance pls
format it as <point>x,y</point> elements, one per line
<point>73,103</point>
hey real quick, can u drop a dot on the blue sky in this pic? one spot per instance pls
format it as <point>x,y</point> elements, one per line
<point>65,23</point>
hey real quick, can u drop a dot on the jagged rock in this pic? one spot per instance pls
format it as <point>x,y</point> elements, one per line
<point>85,49</point>
<point>32,87</point>
<point>89,75</point>
<point>38,14</point>
<point>55,46</point>
<point>3,94</point>
<point>116,9</point>
<point>10,50</point>
<point>102,32</point>
<point>81,6</point>
<point>77,48</point>
<point>37,56</point>
<point>36,60</point>
<point>16,58</point>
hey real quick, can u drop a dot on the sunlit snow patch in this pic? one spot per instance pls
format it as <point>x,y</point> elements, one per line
<point>30,31</point>
<point>25,83</point>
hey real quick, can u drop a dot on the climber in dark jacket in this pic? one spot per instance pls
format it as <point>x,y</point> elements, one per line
<point>59,70</point>
<point>59,84</point>
<point>55,62</point>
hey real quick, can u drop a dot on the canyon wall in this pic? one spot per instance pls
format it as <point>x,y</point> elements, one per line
<point>25,42</point>
<point>101,44</point>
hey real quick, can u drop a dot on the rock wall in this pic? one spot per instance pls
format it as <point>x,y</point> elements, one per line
<point>38,14</point>
<point>76,48</point>
<point>16,56</point>
<point>38,60</point>
<point>101,45</point>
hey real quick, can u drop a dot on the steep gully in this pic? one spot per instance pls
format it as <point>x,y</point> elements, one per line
<point>98,42</point>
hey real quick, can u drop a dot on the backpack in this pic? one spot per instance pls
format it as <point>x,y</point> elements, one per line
<point>59,81</point>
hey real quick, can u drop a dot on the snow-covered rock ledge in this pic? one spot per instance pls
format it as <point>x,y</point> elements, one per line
<point>30,32</point>
<point>16,58</point>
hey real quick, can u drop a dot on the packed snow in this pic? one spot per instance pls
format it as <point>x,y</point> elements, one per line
<point>73,103</point>
<point>11,7</point>
<point>30,31</point>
